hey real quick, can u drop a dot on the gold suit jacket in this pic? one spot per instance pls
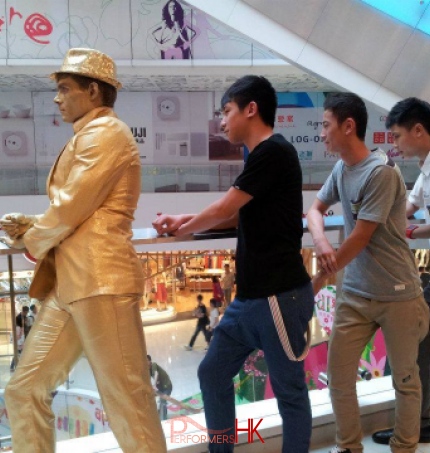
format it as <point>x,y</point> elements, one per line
<point>83,241</point>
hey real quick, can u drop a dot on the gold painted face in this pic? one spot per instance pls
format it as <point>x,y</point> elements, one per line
<point>73,101</point>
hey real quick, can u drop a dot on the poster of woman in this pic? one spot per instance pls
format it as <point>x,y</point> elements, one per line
<point>173,35</point>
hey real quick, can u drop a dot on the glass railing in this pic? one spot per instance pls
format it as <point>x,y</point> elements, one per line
<point>178,178</point>
<point>183,283</point>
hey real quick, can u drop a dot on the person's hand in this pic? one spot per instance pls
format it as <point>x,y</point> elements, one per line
<point>318,281</point>
<point>167,223</point>
<point>16,224</point>
<point>326,256</point>
<point>13,243</point>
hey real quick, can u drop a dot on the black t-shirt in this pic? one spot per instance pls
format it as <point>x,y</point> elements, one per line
<point>202,315</point>
<point>268,259</point>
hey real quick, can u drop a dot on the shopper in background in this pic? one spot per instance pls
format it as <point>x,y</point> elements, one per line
<point>163,385</point>
<point>380,286</point>
<point>233,265</point>
<point>265,203</point>
<point>213,316</point>
<point>32,314</point>
<point>87,272</point>
<point>425,280</point>
<point>23,321</point>
<point>21,327</point>
<point>201,313</point>
<point>227,282</point>
<point>409,123</point>
<point>217,292</point>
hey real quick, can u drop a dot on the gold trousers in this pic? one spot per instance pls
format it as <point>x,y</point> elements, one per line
<point>108,329</point>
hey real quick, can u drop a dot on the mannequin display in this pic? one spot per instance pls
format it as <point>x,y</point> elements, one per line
<point>147,294</point>
<point>161,294</point>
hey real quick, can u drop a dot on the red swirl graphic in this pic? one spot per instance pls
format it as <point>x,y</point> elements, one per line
<point>37,26</point>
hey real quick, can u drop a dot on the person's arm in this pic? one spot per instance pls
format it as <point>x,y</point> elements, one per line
<point>16,224</point>
<point>414,202</point>
<point>157,32</point>
<point>350,248</point>
<point>223,213</point>
<point>325,253</point>
<point>418,232</point>
<point>411,209</point>
<point>156,383</point>
<point>415,231</point>
<point>99,162</point>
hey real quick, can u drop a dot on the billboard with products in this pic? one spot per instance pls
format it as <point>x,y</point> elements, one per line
<point>179,128</point>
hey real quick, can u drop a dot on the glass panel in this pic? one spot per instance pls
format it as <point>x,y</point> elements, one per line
<point>179,178</point>
<point>173,281</point>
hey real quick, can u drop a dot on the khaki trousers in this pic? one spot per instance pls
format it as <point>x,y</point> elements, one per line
<point>108,329</point>
<point>404,325</point>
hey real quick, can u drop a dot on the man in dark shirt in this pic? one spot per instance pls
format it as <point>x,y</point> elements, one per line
<point>265,203</point>
<point>22,320</point>
<point>163,385</point>
<point>201,313</point>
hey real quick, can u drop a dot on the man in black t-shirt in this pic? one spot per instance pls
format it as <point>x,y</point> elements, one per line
<point>201,313</point>
<point>265,203</point>
<point>23,321</point>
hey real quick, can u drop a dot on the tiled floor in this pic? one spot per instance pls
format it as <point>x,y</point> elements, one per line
<point>165,344</point>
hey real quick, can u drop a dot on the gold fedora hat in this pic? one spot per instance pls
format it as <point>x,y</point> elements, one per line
<point>89,63</point>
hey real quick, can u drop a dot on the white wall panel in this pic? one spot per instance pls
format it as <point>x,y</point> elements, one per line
<point>3,30</point>
<point>360,37</point>
<point>298,16</point>
<point>37,29</point>
<point>104,25</point>
<point>409,76</point>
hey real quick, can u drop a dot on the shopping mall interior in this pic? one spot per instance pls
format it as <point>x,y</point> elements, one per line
<point>171,101</point>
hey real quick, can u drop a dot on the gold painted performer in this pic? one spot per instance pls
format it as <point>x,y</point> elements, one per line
<point>87,272</point>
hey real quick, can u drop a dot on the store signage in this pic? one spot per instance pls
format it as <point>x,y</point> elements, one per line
<point>139,133</point>
<point>325,303</point>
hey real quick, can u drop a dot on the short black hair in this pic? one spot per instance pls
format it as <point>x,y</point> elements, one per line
<point>348,105</point>
<point>408,112</point>
<point>108,92</point>
<point>149,357</point>
<point>199,297</point>
<point>252,88</point>
<point>25,308</point>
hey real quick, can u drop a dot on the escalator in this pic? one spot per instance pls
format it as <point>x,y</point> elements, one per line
<point>357,47</point>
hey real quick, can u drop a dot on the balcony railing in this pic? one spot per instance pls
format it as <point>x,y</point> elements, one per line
<point>215,177</point>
